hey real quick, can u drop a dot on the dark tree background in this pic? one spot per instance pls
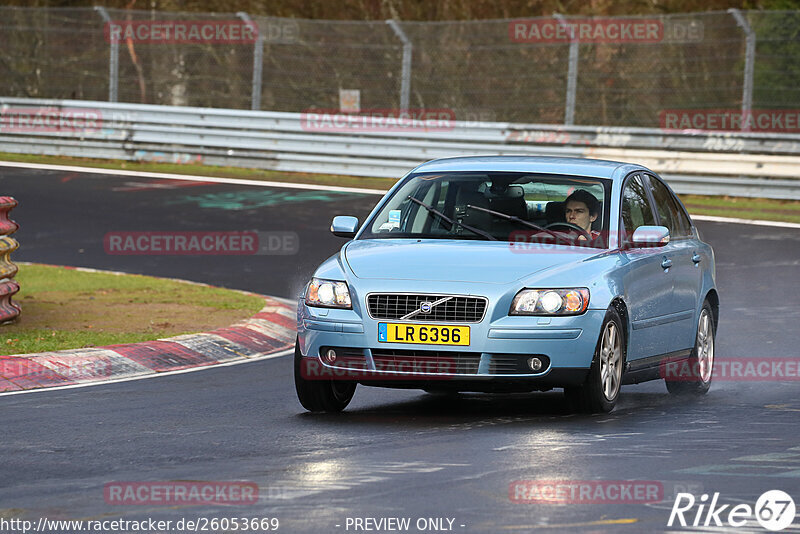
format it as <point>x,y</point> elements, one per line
<point>424,9</point>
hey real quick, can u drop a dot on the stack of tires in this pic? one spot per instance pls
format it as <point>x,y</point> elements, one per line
<point>9,311</point>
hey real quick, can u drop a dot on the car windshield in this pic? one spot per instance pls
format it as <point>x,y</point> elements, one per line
<point>502,206</point>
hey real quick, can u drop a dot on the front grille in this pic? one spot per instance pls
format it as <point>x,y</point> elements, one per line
<point>412,362</point>
<point>457,309</point>
<point>426,361</point>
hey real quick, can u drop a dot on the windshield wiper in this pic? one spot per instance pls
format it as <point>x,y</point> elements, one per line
<point>517,219</point>
<point>451,221</point>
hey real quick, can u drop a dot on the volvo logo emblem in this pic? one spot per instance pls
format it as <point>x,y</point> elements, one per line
<point>425,307</point>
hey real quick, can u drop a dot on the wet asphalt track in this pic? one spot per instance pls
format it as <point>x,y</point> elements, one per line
<point>392,453</point>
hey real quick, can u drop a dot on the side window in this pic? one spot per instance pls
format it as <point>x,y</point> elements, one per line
<point>686,224</point>
<point>636,209</point>
<point>671,214</point>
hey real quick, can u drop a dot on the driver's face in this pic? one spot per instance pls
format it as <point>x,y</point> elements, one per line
<point>578,213</point>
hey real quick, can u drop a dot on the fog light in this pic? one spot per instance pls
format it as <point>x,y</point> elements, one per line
<point>330,356</point>
<point>535,364</point>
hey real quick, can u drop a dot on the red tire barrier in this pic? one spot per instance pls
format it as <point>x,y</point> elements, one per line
<point>9,311</point>
<point>8,269</point>
<point>7,226</point>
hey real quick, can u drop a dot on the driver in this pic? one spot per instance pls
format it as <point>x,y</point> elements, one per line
<point>581,208</point>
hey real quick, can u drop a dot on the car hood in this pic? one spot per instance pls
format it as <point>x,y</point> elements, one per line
<point>450,260</point>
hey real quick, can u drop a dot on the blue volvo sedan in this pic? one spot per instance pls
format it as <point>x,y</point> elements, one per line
<point>512,274</point>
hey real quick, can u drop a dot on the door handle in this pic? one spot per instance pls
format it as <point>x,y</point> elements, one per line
<point>666,263</point>
<point>696,258</point>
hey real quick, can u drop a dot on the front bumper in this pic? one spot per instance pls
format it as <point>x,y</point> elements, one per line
<point>495,359</point>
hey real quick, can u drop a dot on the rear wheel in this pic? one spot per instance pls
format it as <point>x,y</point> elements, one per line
<point>600,391</point>
<point>320,395</point>
<point>701,361</point>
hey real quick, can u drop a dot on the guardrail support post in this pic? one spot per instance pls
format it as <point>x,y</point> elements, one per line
<point>405,77</point>
<point>113,59</point>
<point>258,62</point>
<point>572,73</point>
<point>749,61</point>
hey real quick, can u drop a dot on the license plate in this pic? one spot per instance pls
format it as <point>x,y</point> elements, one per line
<point>427,334</point>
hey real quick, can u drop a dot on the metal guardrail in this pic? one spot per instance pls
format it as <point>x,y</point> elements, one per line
<point>9,310</point>
<point>700,162</point>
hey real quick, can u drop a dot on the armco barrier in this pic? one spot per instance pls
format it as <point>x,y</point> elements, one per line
<point>753,164</point>
<point>9,287</point>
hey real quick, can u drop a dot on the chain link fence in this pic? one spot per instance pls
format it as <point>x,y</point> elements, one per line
<point>611,71</point>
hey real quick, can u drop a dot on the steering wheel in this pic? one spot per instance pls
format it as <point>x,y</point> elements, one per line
<point>571,226</point>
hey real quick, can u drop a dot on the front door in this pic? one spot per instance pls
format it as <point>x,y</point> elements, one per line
<point>647,279</point>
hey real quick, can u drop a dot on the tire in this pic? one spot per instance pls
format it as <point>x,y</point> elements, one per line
<point>444,393</point>
<point>320,395</point>
<point>701,360</point>
<point>600,391</point>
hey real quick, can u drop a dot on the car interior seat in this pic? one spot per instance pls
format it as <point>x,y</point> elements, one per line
<point>475,218</point>
<point>554,212</point>
<point>511,202</point>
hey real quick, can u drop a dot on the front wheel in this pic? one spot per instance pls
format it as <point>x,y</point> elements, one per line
<point>600,391</point>
<point>320,395</point>
<point>701,361</point>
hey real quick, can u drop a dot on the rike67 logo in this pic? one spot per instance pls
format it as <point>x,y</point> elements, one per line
<point>774,510</point>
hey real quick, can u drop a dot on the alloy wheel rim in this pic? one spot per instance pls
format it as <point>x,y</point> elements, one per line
<point>705,347</point>
<point>610,361</point>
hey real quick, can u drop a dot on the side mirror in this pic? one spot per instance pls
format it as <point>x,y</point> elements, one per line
<point>344,226</point>
<point>650,236</point>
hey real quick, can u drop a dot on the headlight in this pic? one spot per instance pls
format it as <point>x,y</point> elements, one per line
<point>328,294</point>
<point>550,302</point>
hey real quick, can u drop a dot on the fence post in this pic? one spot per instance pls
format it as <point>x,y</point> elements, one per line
<point>405,77</point>
<point>572,73</point>
<point>258,61</point>
<point>749,61</point>
<point>113,60</point>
